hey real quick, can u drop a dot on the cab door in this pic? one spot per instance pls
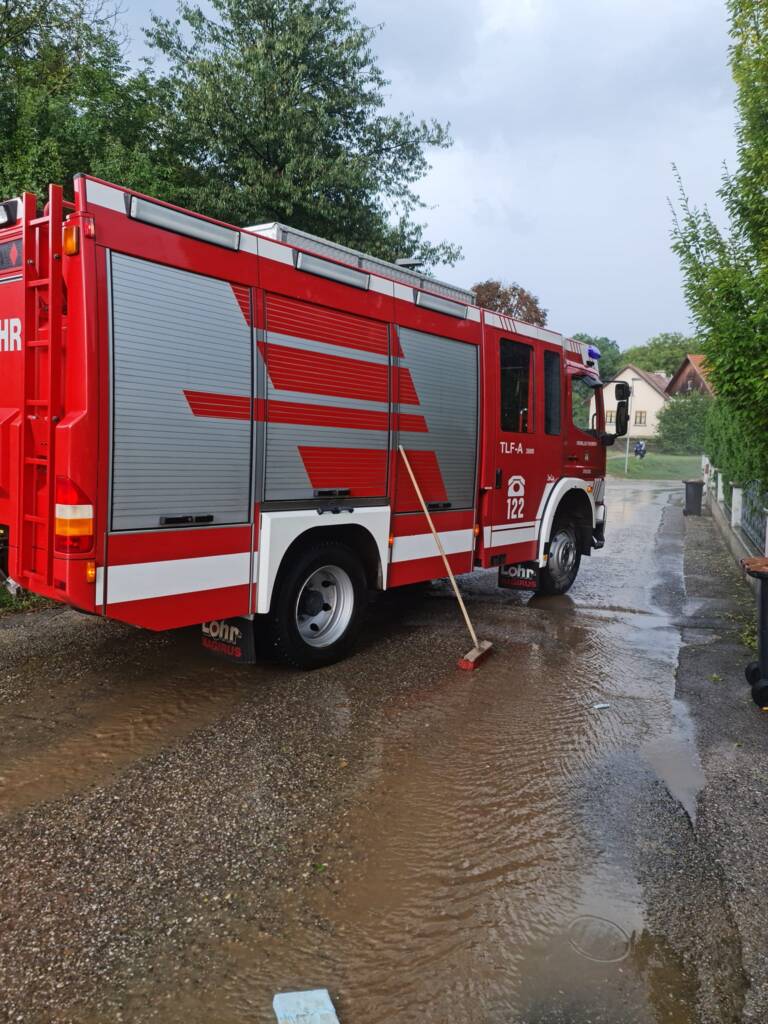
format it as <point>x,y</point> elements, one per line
<point>582,445</point>
<point>519,469</point>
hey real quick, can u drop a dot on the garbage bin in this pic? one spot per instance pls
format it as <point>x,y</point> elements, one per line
<point>693,492</point>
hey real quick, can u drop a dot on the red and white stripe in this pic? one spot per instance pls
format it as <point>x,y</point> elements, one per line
<point>502,535</point>
<point>415,556</point>
<point>168,579</point>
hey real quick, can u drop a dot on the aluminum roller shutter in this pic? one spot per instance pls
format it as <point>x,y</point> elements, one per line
<point>175,333</point>
<point>328,401</point>
<point>445,377</point>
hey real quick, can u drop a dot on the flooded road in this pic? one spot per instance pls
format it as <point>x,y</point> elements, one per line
<point>182,838</point>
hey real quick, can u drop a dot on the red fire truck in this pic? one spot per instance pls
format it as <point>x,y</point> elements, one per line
<point>201,424</point>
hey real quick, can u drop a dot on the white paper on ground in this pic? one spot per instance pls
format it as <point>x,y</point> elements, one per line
<point>314,1007</point>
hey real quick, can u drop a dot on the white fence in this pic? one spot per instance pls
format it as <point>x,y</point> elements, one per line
<point>742,506</point>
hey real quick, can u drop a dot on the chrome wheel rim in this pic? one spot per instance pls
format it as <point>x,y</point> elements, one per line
<point>562,556</point>
<point>324,606</point>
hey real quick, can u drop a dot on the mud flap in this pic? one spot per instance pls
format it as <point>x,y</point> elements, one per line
<point>598,534</point>
<point>230,638</point>
<point>519,576</point>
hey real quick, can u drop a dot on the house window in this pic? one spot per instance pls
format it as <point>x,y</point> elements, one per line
<point>640,418</point>
<point>610,415</point>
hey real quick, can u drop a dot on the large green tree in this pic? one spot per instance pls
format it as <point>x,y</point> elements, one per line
<point>663,353</point>
<point>725,270</point>
<point>262,110</point>
<point>68,101</point>
<point>275,109</point>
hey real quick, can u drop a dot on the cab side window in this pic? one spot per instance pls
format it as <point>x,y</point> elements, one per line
<point>582,397</point>
<point>552,392</point>
<point>516,380</point>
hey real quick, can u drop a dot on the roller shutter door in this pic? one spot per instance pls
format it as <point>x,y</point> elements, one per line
<point>328,402</point>
<point>182,397</point>
<point>445,379</point>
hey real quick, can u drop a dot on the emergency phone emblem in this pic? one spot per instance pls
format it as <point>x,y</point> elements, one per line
<point>515,497</point>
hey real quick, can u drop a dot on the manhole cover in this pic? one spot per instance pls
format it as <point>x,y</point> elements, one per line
<point>599,939</point>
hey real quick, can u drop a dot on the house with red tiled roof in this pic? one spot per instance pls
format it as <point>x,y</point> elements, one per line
<point>691,375</point>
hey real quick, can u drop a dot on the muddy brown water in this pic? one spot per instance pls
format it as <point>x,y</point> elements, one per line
<point>107,735</point>
<point>482,878</point>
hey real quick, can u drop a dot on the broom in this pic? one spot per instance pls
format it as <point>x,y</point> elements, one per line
<point>481,647</point>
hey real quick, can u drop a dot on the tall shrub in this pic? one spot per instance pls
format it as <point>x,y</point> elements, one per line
<point>683,422</point>
<point>725,270</point>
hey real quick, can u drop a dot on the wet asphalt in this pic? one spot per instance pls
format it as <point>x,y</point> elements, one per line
<point>180,837</point>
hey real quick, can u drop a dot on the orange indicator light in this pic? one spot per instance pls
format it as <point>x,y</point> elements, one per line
<point>70,240</point>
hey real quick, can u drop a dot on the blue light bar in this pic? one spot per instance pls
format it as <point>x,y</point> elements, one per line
<point>593,353</point>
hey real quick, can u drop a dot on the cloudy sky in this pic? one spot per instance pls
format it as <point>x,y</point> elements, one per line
<point>567,117</point>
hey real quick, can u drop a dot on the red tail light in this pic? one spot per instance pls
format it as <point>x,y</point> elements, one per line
<point>74,518</point>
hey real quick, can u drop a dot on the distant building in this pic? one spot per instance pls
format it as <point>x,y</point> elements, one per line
<point>691,375</point>
<point>649,395</point>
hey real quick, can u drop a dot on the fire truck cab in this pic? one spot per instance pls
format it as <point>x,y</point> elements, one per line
<point>200,424</point>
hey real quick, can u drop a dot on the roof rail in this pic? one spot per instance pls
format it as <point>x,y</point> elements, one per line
<point>352,257</point>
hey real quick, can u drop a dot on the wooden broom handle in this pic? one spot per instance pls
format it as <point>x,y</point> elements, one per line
<point>440,548</point>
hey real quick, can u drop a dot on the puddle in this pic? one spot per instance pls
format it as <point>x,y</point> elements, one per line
<point>598,939</point>
<point>110,734</point>
<point>467,887</point>
<point>461,882</point>
<point>677,765</point>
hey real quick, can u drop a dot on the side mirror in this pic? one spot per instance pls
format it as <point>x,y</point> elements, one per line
<point>622,415</point>
<point>623,391</point>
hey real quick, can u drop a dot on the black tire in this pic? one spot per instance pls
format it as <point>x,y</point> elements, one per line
<point>302,628</point>
<point>562,566</point>
<point>752,673</point>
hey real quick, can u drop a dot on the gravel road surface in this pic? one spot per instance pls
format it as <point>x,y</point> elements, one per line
<point>180,837</point>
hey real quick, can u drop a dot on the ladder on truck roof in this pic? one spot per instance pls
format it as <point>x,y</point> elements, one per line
<point>41,384</point>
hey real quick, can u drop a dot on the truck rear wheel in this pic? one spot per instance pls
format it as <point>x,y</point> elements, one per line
<point>564,559</point>
<point>318,606</point>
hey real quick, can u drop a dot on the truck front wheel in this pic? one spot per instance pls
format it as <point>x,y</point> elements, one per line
<point>564,560</point>
<point>318,606</point>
